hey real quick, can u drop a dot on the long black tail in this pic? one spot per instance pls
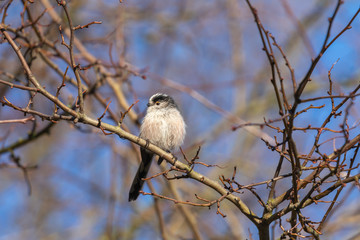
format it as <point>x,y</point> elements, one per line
<point>141,173</point>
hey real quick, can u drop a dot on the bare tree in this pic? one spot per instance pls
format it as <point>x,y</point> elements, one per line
<point>273,127</point>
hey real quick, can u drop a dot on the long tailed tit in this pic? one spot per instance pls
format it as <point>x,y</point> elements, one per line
<point>163,126</point>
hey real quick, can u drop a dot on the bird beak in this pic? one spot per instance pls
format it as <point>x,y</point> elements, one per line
<point>148,104</point>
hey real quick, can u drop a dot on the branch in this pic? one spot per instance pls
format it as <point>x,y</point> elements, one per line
<point>87,25</point>
<point>310,201</point>
<point>70,46</point>
<point>23,120</point>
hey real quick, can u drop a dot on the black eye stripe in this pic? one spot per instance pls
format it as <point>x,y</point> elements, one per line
<point>161,98</point>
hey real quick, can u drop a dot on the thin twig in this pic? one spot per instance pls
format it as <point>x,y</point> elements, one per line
<point>23,120</point>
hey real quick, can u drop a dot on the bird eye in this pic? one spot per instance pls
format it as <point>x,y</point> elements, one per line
<point>157,103</point>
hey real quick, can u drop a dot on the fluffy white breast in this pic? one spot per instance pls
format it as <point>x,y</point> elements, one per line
<point>164,128</point>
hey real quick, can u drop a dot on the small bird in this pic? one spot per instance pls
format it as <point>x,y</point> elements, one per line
<point>162,126</point>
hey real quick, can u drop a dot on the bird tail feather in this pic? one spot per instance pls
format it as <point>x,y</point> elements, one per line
<point>141,173</point>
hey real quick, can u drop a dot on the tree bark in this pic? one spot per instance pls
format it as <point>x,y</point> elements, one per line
<point>264,233</point>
